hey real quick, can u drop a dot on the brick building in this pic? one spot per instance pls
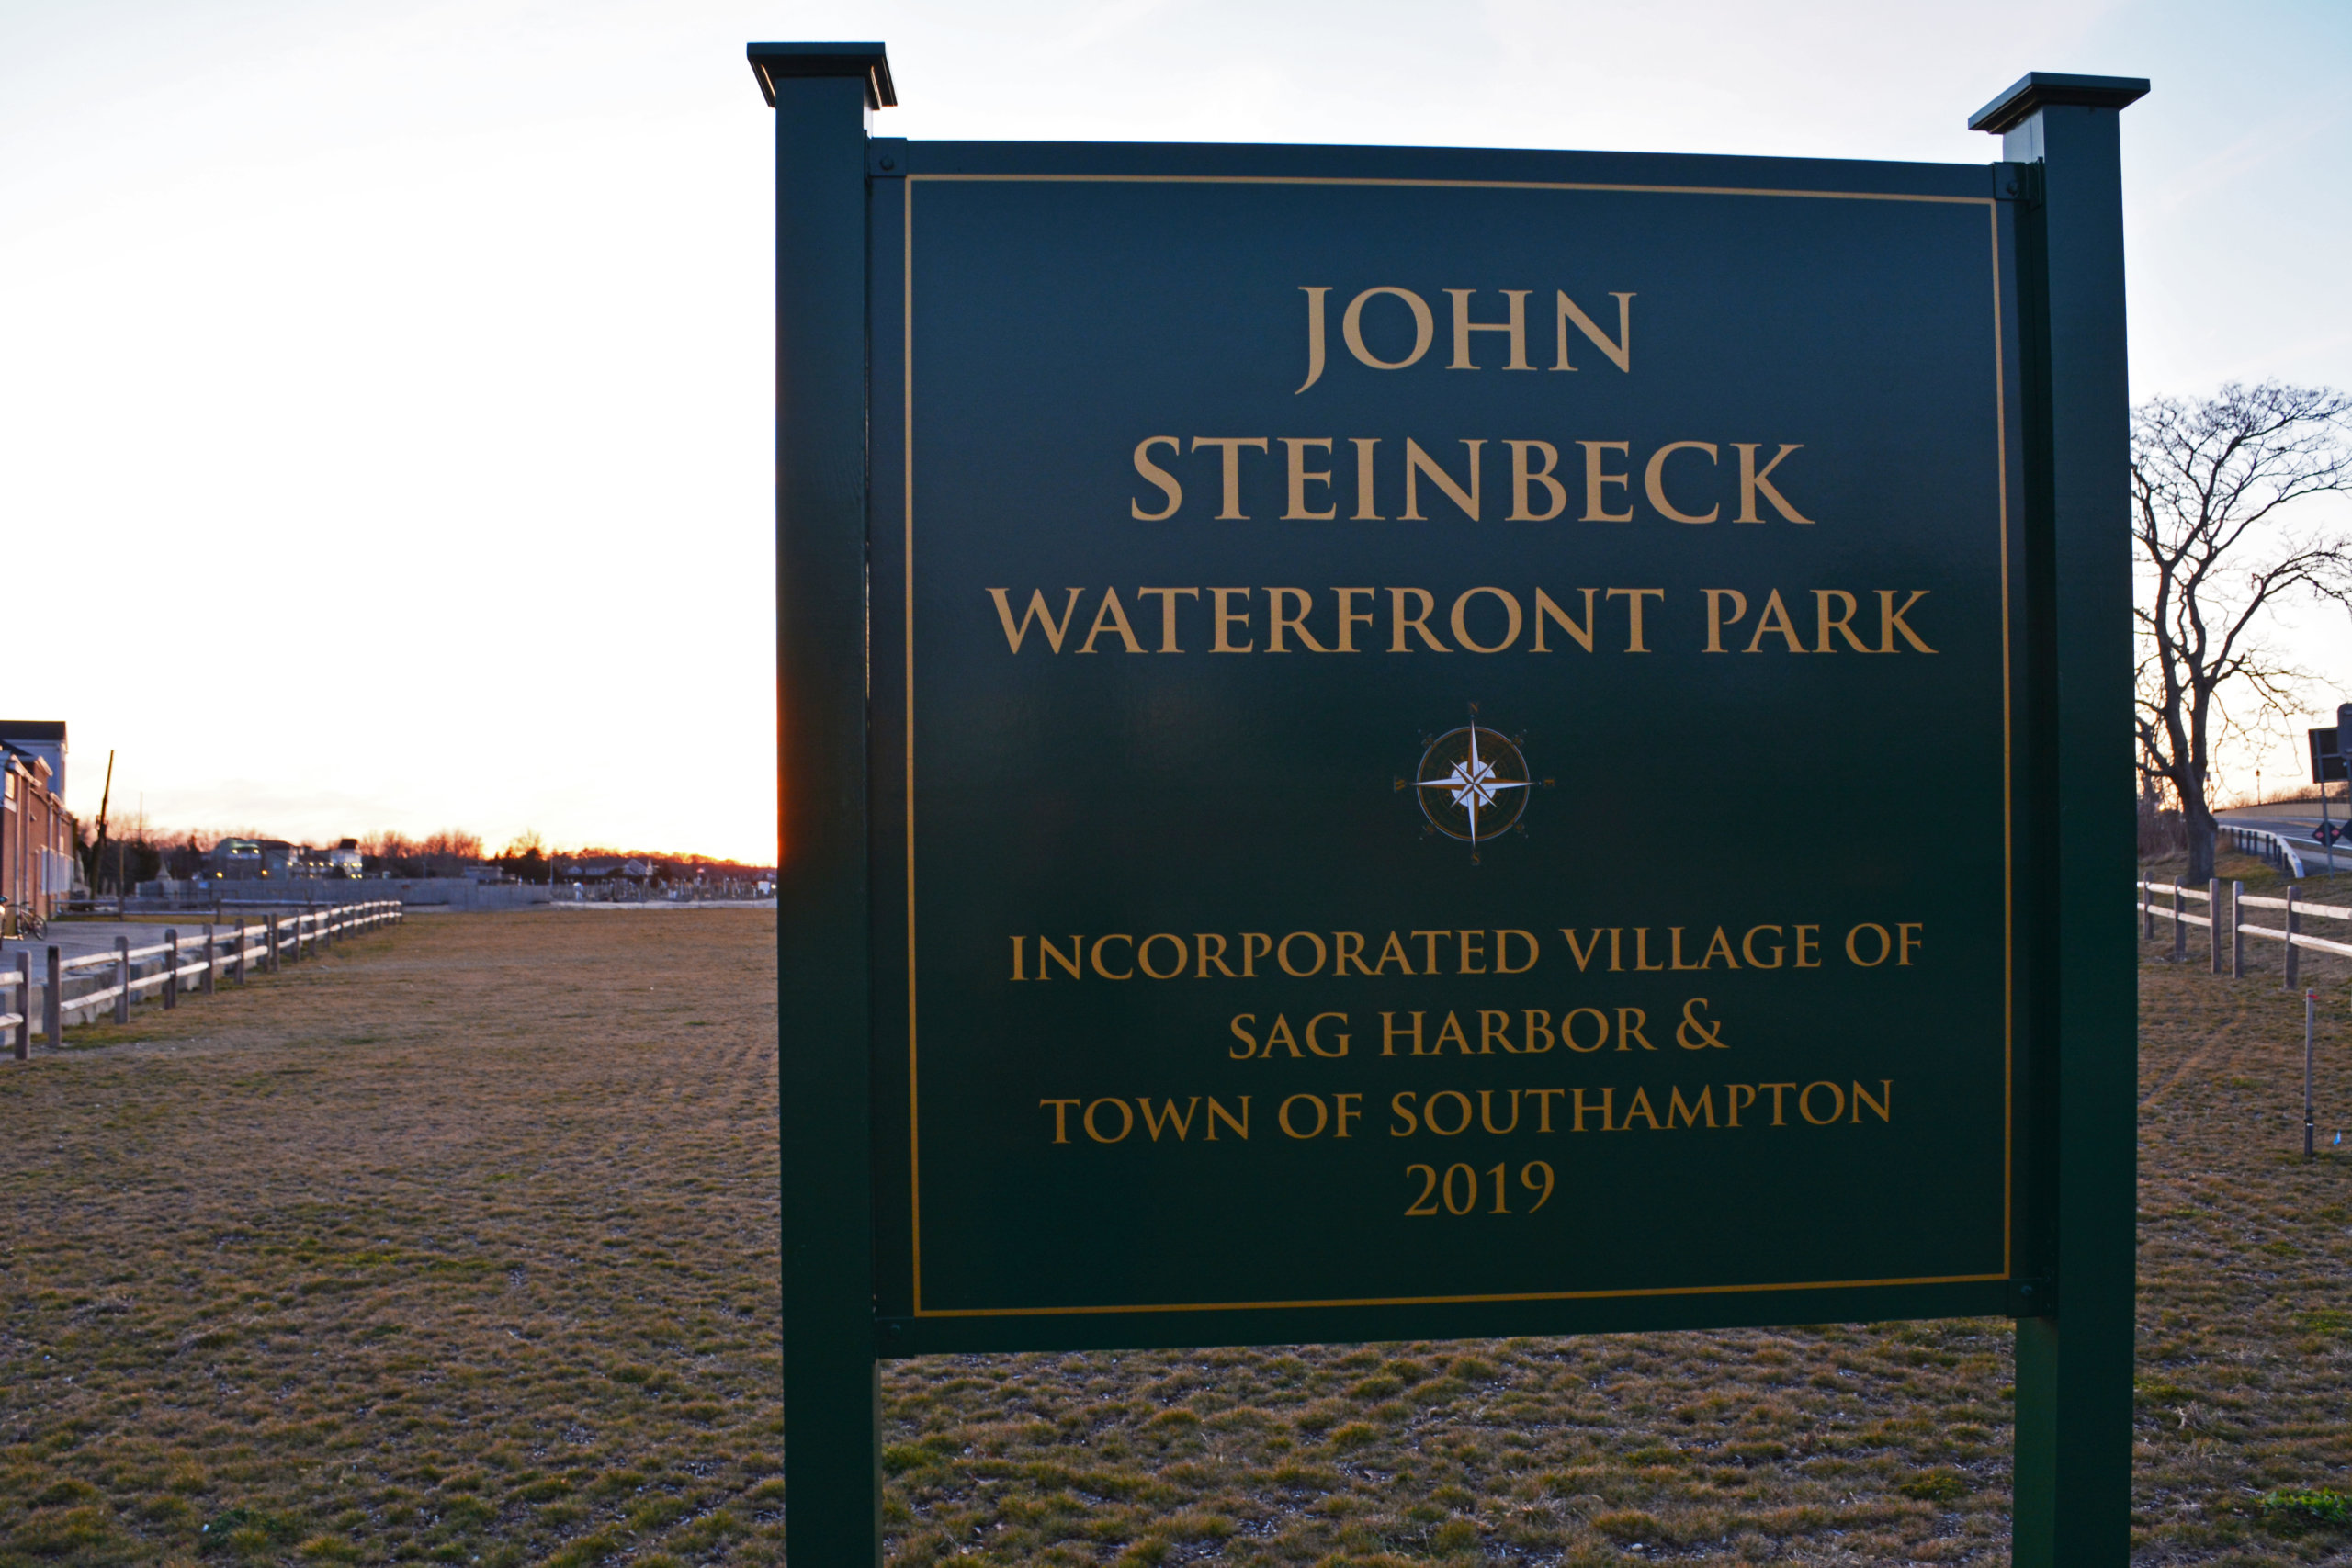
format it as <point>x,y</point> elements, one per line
<point>37,867</point>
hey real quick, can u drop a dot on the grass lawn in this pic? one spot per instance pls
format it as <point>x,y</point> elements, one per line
<point>459,1244</point>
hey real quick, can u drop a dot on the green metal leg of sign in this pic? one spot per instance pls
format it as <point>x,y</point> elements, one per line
<point>831,1473</point>
<point>2074,1365</point>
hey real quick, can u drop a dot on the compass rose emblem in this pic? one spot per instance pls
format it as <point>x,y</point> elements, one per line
<point>1472,784</point>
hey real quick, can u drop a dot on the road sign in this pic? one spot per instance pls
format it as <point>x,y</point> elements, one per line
<point>2327,763</point>
<point>1249,616</point>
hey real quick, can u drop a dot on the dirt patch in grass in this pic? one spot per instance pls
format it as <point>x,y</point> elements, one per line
<point>460,1244</point>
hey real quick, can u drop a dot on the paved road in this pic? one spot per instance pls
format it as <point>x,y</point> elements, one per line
<point>2294,823</point>
<point>74,938</point>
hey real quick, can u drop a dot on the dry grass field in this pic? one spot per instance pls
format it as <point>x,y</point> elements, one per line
<point>459,1244</point>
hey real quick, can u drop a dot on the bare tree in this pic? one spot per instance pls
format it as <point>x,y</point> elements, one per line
<point>2209,479</point>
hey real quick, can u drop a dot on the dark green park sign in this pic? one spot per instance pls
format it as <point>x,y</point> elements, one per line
<point>1397,742</point>
<point>1456,749</point>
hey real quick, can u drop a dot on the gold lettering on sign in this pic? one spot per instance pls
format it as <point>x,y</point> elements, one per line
<point>1225,618</point>
<point>1295,623</point>
<point>1703,1106</point>
<point>1545,608</point>
<point>1338,1047</point>
<point>1314,334</point>
<point>1716,620</point>
<point>1891,621</point>
<point>1523,475</point>
<point>1516,326</point>
<point>1619,353</point>
<point>1168,597</point>
<point>1595,509</point>
<point>1230,447</point>
<point>1154,1125</point>
<point>1364,512</point>
<point>1217,1112</point>
<point>1424,327</point>
<point>1654,481</point>
<point>1110,618</point>
<point>1510,620</point>
<point>1349,618</point>
<point>1420,464</point>
<point>1158,475</point>
<point>1301,475</point>
<point>1774,621</point>
<point>1126,1121</point>
<point>1043,618</point>
<point>1419,622</point>
<point>1754,481</point>
<point>1633,597</point>
<point>1841,623</point>
<point>1390,1034</point>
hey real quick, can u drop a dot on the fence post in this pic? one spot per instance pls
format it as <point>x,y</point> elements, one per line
<point>2311,1011</point>
<point>122,979</point>
<point>2212,922</point>
<point>2238,933</point>
<point>271,960</point>
<point>2292,922</point>
<point>237,965</point>
<point>25,1006</point>
<point>172,969</point>
<point>212,962</point>
<point>2179,927</point>
<point>52,999</point>
<point>2147,911</point>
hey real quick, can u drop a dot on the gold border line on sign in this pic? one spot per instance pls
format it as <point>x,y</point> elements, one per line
<point>907,614</point>
<point>2009,831</point>
<point>2009,965</point>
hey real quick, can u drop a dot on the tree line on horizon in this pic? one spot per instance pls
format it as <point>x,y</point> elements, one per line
<point>140,852</point>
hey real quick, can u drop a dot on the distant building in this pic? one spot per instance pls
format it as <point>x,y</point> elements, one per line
<point>41,737</point>
<point>37,864</point>
<point>236,860</point>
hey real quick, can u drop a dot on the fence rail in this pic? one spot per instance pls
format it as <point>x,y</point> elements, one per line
<point>2224,920</point>
<point>90,981</point>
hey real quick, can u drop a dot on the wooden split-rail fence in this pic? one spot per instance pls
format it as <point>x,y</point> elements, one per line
<point>2225,926</point>
<point>75,990</point>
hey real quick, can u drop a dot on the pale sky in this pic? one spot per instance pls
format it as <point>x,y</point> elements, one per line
<point>385,389</point>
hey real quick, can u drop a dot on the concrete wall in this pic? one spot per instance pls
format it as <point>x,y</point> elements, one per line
<point>455,893</point>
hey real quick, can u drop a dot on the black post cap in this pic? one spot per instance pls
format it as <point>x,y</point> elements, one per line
<point>772,62</point>
<point>2038,90</point>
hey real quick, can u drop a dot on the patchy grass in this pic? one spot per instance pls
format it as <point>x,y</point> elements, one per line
<point>453,1245</point>
<point>460,1244</point>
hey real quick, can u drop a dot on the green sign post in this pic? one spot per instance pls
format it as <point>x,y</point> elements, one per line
<point>1412,743</point>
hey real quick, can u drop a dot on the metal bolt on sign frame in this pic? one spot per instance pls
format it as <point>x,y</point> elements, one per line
<point>2070,1283</point>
